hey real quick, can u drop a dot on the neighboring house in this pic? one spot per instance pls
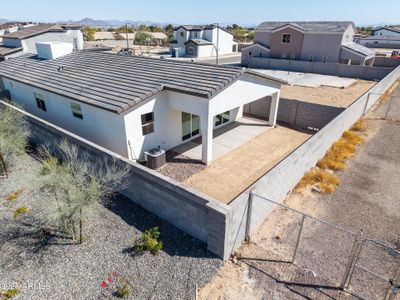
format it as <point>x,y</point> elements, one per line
<point>24,40</point>
<point>201,41</point>
<point>132,104</point>
<point>390,31</point>
<point>104,36</point>
<point>328,42</point>
<point>379,41</point>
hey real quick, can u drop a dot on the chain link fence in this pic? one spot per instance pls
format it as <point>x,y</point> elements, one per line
<point>317,259</point>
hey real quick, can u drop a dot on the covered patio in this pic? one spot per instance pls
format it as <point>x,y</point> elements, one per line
<point>226,139</point>
<point>214,127</point>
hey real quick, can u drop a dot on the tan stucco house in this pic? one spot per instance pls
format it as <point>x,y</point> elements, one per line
<point>328,42</point>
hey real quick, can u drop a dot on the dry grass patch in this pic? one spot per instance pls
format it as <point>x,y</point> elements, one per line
<point>359,126</point>
<point>323,180</point>
<point>335,158</point>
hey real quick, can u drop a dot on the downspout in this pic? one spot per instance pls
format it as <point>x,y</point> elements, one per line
<point>133,155</point>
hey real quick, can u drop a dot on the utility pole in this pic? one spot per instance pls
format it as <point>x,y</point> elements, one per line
<point>127,37</point>
<point>217,59</point>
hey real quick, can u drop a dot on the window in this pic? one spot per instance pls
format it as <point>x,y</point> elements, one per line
<point>40,102</point>
<point>148,123</point>
<point>293,56</point>
<point>191,50</point>
<point>76,110</point>
<point>283,56</point>
<point>310,58</point>
<point>190,125</point>
<point>325,59</point>
<point>222,118</point>
<point>182,33</point>
<point>286,38</point>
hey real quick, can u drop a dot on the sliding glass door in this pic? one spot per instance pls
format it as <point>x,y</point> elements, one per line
<point>190,125</point>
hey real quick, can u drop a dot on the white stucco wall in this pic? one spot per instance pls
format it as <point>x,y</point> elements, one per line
<point>167,126</point>
<point>348,35</point>
<point>29,44</point>
<point>53,50</point>
<point>321,45</point>
<point>225,40</point>
<point>206,51</point>
<point>99,126</point>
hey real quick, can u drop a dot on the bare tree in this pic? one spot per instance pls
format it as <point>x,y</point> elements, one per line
<point>77,182</point>
<point>14,133</point>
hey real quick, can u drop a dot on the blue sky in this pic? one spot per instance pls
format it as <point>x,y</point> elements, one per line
<point>204,11</point>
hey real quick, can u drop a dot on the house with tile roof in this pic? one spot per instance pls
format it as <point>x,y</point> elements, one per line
<point>327,42</point>
<point>133,104</point>
<point>201,41</point>
<point>24,40</point>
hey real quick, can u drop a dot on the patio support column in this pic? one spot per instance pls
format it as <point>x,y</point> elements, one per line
<point>207,138</point>
<point>273,112</point>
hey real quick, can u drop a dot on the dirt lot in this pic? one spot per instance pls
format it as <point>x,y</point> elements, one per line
<point>231,174</point>
<point>366,200</point>
<point>327,95</point>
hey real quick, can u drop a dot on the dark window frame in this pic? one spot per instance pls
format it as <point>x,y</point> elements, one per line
<point>147,121</point>
<point>286,38</point>
<point>41,104</point>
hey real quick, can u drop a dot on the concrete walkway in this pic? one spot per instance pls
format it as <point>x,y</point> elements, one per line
<point>226,139</point>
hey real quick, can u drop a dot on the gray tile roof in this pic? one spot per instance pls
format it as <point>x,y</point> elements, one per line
<point>8,50</point>
<point>308,26</point>
<point>36,30</point>
<point>199,42</point>
<point>382,37</point>
<point>359,49</point>
<point>115,82</point>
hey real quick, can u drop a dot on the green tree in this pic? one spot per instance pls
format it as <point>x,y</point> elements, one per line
<point>142,38</point>
<point>89,32</point>
<point>78,184</point>
<point>14,133</point>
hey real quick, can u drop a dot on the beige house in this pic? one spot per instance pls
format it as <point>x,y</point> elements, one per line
<point>327,42</point>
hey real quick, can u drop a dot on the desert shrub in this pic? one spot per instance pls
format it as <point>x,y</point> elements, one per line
<point>14,133</point>
<point>123,288</point>
<point>13,196</point>
<point>20,211</point>
<point>149,242</point>
<point>76,184</point>
<point>324,181</point>
<point>9,294</point>
<point>353,137</point>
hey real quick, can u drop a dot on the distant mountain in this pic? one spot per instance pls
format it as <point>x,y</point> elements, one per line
<point>91,22</point>
<point>4,21</point>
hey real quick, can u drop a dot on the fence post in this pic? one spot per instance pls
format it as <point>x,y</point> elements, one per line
<point>354,255</point>
<point>394,286</point>
<point>366,104</point>
<point>248,219</point>
<point>298,238</point>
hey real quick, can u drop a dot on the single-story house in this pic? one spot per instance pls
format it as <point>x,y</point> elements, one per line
<point>379,41</point>
<point>382,31</point>
<point>132,104</point>
<point>24,40</point>
<point>104,36</point>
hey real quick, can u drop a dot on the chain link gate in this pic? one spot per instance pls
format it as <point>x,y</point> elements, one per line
<point>355,268</point>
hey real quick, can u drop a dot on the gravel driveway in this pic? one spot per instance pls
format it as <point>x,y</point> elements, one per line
<point>55,269</point>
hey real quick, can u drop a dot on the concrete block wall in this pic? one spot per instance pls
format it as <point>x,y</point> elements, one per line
<point>194,213</point>
<point>282,179</point>
<point>295,113</point>
<point>334,69</point>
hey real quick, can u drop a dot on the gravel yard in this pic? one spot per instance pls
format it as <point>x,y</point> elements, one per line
<point>367,199</point>
<point>53,268</point>
<point>331,96</point>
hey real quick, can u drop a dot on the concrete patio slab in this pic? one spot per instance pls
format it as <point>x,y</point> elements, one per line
<point>227,138</point>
